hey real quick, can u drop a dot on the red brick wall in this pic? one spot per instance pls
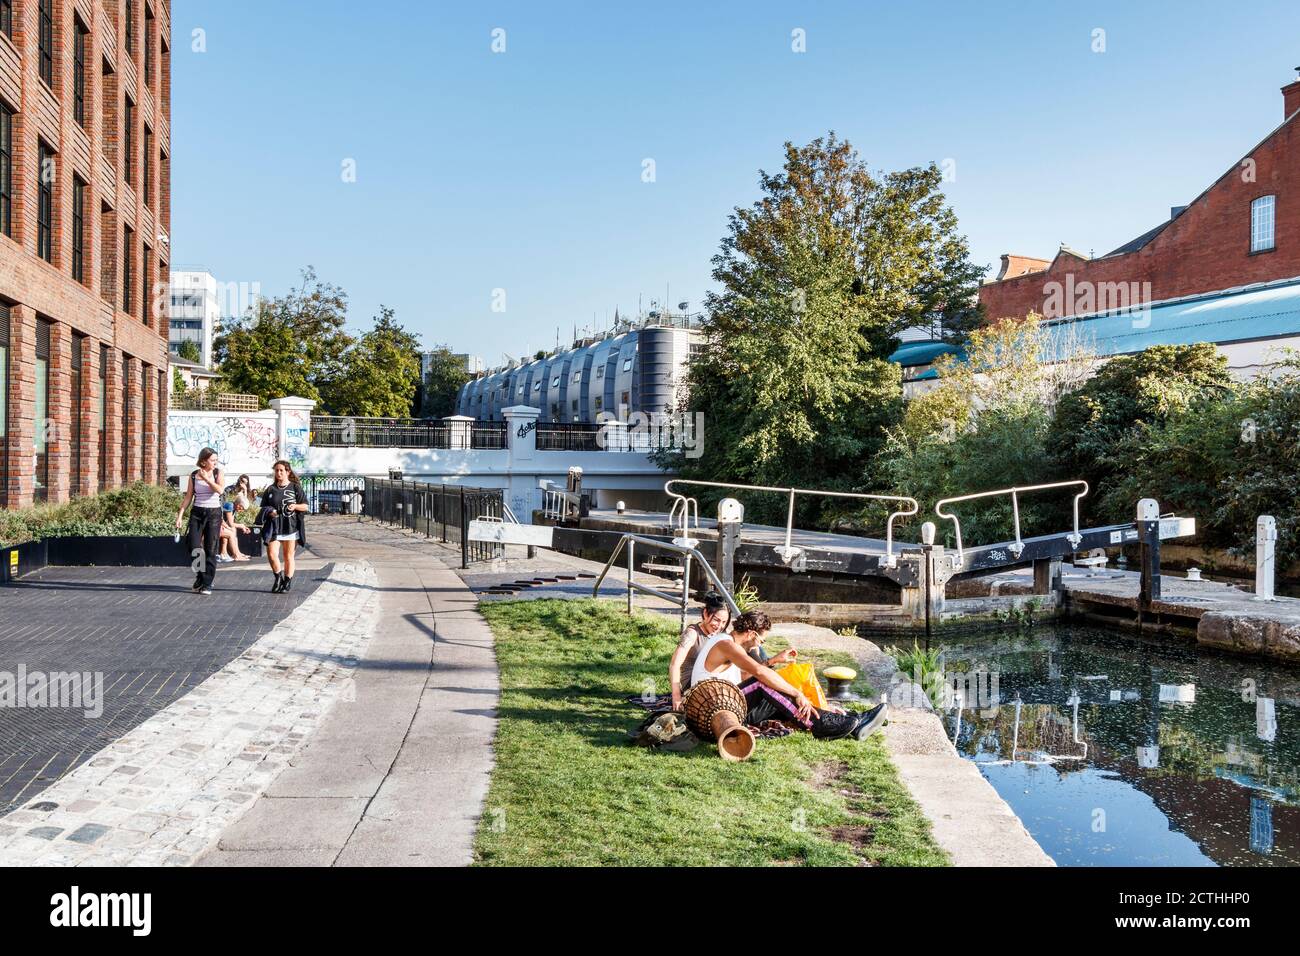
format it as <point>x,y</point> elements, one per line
<point>91,307</point>
<point>1205,249</point>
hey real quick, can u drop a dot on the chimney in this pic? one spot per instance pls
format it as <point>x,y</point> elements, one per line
<point>1291,98</point>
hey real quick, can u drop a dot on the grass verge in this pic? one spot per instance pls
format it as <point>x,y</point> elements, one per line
<point>570,789</point>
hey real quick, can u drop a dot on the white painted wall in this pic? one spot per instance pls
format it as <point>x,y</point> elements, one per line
<point>246,442</point>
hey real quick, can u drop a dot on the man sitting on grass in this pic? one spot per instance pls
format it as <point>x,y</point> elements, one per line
<point>768,695</point>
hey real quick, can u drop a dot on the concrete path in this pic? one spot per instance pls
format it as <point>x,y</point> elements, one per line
<point>398,772</point>
<point>967,816</point>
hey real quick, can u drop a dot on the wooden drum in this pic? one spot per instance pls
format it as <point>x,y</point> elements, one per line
<point>715,710</point>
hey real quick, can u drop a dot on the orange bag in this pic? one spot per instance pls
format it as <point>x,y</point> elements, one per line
<point>801,675</point>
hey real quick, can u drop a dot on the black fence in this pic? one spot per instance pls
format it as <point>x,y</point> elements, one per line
<point>342,431</point>
<point>562,436</point>
<point>334,494</point>
<point>437,511</point>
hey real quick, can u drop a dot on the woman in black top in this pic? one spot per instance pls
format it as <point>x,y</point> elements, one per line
<point>283,508</point>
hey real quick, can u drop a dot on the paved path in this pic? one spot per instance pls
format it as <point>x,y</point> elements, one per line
<point>398,772</point>
<point>163,791</point>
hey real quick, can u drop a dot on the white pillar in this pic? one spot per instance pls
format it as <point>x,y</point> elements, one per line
<point>1265,556</point>
<point>293,429</point>
<point>521,431</point>
<point>459,427</point>
<point>521,451</point>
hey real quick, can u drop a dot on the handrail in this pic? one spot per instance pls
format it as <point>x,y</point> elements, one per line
<point>788,552</point>
<point>631,540</point>
<point>1018,545</point>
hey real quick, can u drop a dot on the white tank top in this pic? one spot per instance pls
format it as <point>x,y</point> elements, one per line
<point>731,673</point>
<point>204,496</point>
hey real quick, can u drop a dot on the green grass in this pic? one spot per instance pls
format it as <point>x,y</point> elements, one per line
<point>570,789</point>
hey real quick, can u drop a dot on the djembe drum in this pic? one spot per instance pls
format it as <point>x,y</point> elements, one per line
<point>715,710</point>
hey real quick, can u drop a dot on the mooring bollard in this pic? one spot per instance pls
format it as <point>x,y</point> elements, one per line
<point>927,556</point>
<point>1265,556</point>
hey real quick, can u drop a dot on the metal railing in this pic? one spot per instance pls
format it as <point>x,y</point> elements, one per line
<point>568,436</point>
<point>1018,545</point>
<point>334,494</point>
<point>439,511</point>
<point>788,552</point>
<point>346,431</point>
<point>682,600</point>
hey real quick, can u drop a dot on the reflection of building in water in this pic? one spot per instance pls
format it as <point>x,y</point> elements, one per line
<point>1261,826</point>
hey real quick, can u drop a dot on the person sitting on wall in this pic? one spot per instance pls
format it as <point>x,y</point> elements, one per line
<point>770,696</point>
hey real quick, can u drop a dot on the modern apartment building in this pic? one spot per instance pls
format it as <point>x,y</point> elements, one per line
<point>195,312</point>
<point>85,186</point>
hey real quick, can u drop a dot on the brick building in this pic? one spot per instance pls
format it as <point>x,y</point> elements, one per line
<point>85,187</point>
<point>1244,229</point>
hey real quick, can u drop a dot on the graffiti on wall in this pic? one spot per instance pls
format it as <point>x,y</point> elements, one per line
<point>297,438</point>
<point>241,441</point>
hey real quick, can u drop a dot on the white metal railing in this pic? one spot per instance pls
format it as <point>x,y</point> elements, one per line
<point>1018,545</point>
<point>558,503</point>
<point>681,600</point>
<point>685,504</point>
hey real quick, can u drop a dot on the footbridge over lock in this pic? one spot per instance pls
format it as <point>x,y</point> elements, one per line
<point>836,578</point>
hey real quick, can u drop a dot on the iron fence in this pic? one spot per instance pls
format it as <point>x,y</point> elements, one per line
<point>346,431</point>
<point>568,436</point>
<point>334,494</point>
<point>437,511</point>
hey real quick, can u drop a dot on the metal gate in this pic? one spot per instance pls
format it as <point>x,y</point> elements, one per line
<point>437,511</point>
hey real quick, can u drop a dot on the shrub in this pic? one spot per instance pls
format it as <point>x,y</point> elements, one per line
<point>138,509</point>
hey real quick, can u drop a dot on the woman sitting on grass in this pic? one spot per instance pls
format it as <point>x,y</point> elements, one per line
<point>768,695</point>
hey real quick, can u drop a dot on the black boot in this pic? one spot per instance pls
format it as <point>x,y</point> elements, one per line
<point>285,588</point>
<point>278,586</point>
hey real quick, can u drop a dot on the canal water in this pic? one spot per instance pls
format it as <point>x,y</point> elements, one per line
<point>1117,750</point>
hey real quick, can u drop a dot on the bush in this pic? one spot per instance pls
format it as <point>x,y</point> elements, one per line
<point>138,509</point>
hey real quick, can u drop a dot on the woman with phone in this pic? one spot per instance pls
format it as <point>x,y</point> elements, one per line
<point>204,536</point>
<point>284,507</point>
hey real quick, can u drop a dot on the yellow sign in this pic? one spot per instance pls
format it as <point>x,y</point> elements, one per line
<point>13,560</point>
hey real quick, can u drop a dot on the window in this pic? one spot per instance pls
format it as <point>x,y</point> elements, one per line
<point>7,28</point>
<point>148,46</point>
<point>126,419</point>
<point>80,41</point>
<point>47,42</point>
<point>128,248</point>
<point>145,376</point>
<point>148,149</point>
<point>145,296</point>
<point>555,382</point>
<point>74,482</point>
<point>45,203</point>
<point>6,170</point>
<point>1261,224</point>
<point>130,27</point>
<point>577,376</point>
<point>41,421</point>
<point>128,147</point>
<point>78,229</point>
<point>521,390</point>
<point>537,386</point>
<point>600,371</point>
<point>627,364</point>
<point>101,415</point>
<point>600,403</point>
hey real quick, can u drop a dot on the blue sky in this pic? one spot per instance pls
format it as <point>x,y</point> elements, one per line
<point>522,170</point>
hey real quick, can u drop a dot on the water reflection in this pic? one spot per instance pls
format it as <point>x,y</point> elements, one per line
<point>1121,751</point>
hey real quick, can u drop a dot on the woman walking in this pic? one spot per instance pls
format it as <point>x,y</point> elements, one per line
<point>204,536</point>
<point>284,508</point>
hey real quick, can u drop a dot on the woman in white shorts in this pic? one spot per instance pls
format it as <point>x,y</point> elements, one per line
<point>284,507</point>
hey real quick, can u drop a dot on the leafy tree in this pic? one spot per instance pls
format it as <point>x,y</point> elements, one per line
<point>984,425</point>
<point>178,382</point>
<point>442,383</point>
<point>379,372</point>
<point>1095,429</point>
<point>818,278</point>
<point>289,345</point>
<point>189,350</point>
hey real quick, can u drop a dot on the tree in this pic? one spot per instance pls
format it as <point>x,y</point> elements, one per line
<point>290,345</point>
<point>1094,429</point>
<point>189,350</point>
<point>984,426</point>
<point>818,278</point>
<point>442,383</point>
<point>379,372</point>
<point>178,382</point>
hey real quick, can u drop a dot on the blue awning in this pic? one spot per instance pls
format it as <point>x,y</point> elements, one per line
<point>923,352</point>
